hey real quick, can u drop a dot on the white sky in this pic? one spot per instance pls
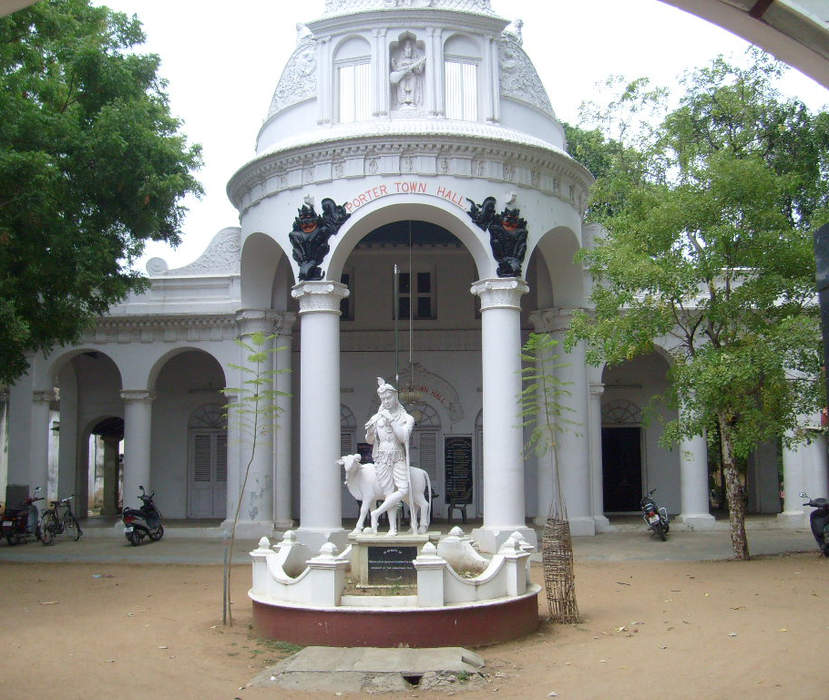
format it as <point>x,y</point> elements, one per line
<point>223,59</point>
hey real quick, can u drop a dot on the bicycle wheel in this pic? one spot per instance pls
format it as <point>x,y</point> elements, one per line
<point>48,525</point>
<point>71,526</point>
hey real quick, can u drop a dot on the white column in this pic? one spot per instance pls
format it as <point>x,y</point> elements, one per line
<point>256,513</point>
<point>282,456</point>
<point>40,436</point>
<point>693,479</point>
<point>320,510</point>
<point>504,507</point>
<point>137,434</point>
<point>594,413</point>
<point>804,469</point>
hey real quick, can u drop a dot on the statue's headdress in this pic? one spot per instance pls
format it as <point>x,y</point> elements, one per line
<point>383,388</point>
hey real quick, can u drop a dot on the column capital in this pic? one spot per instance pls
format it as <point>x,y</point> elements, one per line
<point>596,389</point>
<point>321,296</point>
<point>46,395</point>
<point>500,292</point>
<point>254,320</point>
<point>283,323</point>
<point>555,319</point>
<point>137,395</point>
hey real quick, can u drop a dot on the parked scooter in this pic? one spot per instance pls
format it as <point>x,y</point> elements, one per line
<point>654,515</point>
<point>144,521</point>
<point>819,521</point>
<point>23,523</point>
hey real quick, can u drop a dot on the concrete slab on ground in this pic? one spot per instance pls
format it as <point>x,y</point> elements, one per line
<point>369,669</point>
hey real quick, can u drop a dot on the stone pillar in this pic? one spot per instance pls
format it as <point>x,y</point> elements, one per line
<point>804,469</point>
<point>40,437</point>
<point>594,432</point>
<point>693,479</point>
<point>256,513</point>
<point>137,434</point>
<point>320,508</point>
<point>110,494</point>
<point>282,456</point>
<point>503,503</point>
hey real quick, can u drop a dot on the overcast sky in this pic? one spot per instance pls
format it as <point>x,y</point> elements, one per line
<point>223,59</point>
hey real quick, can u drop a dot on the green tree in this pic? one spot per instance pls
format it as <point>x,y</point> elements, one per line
<point>254,404</point>
<point>708,244</point>
<point>92,165</point>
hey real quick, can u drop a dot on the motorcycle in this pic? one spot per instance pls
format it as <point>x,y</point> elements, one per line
<point>21,523</point>
<point>655,516</point>
<point>819,521</point>
<point>144,521</point>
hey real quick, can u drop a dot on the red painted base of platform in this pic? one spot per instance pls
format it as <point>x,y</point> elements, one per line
<point>471,626</point>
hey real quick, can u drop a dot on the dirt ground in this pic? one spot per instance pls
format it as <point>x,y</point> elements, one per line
<point>662,629</point>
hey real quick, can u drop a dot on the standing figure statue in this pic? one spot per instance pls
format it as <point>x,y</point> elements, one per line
<point>405,71</point>
<point>388,431</point>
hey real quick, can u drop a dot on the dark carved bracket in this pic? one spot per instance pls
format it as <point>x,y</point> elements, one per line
<point>507,235</point>
<point>309,237</point>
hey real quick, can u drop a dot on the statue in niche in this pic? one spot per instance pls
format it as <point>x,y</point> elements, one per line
<point>309,237</point>
<point>406,74</point>
<point>507,235</point>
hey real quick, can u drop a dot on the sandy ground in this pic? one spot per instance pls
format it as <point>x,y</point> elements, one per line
<point>718,629</point>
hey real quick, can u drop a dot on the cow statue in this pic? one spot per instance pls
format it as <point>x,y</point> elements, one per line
<point>361,481</point>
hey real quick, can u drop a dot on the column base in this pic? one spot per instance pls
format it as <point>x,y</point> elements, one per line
<point>490,539</point>
<point>315,537</point>
<point>248,529</point>
<point>697,521</point>
<point>793,519</point>
<point>602,524</point>
<point>283,525</point>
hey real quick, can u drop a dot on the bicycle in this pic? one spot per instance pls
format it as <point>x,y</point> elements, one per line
<point>52,524</point>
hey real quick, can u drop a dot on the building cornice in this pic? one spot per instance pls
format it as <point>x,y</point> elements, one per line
<point>162,329</point>
<point>522,161</point>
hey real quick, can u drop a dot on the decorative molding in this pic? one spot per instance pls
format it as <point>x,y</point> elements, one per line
<point>481,151</point>
<point>500,293</point>
<point>298,81</point>
<point>46,395</point>
<point>621,412</point>
<point>254,321</point>
<point>319,296</point>
<point>221,257</point>
<point>468,340</point>
<point>339,7</point>
<point>596,390</point>
<point>552,320</point>
<point>519,79</point>
<point>283,323</point>
<point>137,395</point>
<point>162,329</point>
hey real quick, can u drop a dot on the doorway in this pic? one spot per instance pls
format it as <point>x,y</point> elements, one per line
<point>622,468</point>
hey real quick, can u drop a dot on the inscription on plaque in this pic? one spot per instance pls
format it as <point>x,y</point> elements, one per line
<point>391,566</point>
<point>457,460</point>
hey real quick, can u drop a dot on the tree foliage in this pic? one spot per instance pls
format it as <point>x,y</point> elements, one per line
<point>708,246</point>
<point>92,165</point>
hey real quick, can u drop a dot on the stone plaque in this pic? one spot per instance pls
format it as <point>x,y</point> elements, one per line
<point>457,460</point>
<point>391,565</point>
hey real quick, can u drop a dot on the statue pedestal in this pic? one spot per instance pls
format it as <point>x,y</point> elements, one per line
<point>386,560</point>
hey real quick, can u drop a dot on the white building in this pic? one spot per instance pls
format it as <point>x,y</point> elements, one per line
<point>403,112</point>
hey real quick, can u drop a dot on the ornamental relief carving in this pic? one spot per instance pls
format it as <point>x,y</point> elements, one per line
<point>519,79</point>
<point>221,257</point>
<point>298,81</point>
<point>343,6</point>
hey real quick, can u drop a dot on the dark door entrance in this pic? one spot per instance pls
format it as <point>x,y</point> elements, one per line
<point>621,468</point>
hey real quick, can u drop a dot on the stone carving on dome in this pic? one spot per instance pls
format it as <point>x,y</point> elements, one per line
<point>221,257</point>
<point>406,75</point>
<point>336,7</point>
<point>298,81</point>
<point>519,78</point>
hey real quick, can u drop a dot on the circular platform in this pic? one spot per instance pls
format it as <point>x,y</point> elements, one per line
<point>470,624</point>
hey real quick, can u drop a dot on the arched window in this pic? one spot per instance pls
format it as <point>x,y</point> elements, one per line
<point>352,67</point>
<point>461,57</point>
